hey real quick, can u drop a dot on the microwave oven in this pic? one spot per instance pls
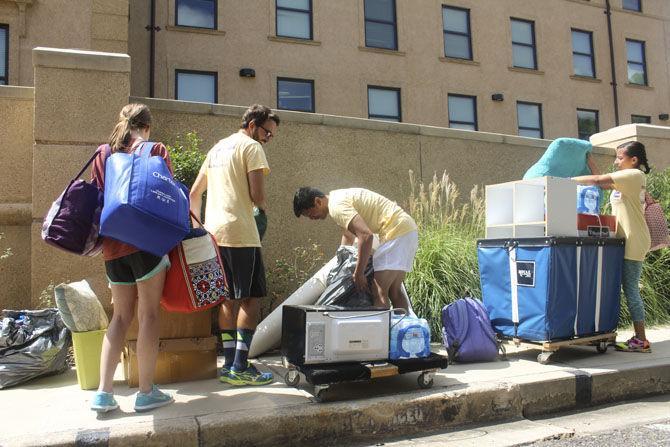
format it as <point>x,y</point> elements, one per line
<point>330,334</point>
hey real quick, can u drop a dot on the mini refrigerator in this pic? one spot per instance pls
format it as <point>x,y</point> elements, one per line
<point>551,288</point>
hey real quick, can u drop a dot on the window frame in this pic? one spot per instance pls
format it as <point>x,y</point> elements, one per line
<point>468,35</point>
<point>311,20</point>
<point>644,61</point>
<point>385,117</point>
<point>533,45</point>
<point>518,126</point>
<point>474,104</point>
<point>591,55</point>
<point>647,119</point>
<point>216,16</point>
<point>639,6</point>
<point>597,122</point>
<point>179,71</point>
<point>5,77</point>
<point>394,23</point>
<point>305,81</point>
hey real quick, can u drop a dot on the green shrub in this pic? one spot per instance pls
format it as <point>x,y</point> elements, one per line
<point>445,266</point>
<point>186,157</point>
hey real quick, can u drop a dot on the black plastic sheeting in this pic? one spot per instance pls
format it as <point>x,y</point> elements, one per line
<point>33,343</point>
<point>340,287</point>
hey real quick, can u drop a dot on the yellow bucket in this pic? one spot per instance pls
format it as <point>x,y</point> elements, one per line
<point>87,348</point>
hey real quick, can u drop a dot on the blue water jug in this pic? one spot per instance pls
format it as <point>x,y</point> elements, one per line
<point>409,338</point>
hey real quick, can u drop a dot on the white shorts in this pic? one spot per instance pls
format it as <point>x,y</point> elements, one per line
<point>396,254</point>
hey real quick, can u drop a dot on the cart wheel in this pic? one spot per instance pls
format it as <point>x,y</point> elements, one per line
<point>320,393</point>
<point>425,381</point>
<point>292,378</point>
<point>601,347</point>
<point>543,357</point>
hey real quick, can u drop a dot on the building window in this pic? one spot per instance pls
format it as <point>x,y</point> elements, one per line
<point>529,117</point>
<point>587,123</point>
<point>294,18</point>
<point>637,64</point>
<point>582,53</point>
<point>4,54</point>
<point>384,103</point>
<point>380,24</point>
<point>295,94</point>
<point>457,38</point>
<point>462,112</point>
<point>632,5</point>
<point>523,44</point>
<point>196,13</point>
<point>640,119</point>
<point>199,86</point>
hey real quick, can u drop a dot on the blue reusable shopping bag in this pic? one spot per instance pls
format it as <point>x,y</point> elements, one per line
<point>144,206</point>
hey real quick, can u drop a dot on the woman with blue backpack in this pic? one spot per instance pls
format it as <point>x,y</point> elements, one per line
<point>134,277</point>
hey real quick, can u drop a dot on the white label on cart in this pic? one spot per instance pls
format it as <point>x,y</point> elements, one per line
<point>525,273</point>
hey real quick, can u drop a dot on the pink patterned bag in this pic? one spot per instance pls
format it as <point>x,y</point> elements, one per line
<point>657,223</point>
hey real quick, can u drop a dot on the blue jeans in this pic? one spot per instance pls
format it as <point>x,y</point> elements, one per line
<point>632,270</point>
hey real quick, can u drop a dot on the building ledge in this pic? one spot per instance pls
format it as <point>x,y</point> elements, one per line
<point>17,92</point>
<point>525,70</point>
<point>291,116</point>
<point>273,38</point>
<point>456,60</point>
<point>382,51</point>
<point>638,86</point>
<point>586,79</point>
<point>194,29</point>
<point>16,213</point>
<point>81,60</point>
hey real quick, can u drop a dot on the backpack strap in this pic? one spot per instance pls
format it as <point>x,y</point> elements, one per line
<point>108,150</point>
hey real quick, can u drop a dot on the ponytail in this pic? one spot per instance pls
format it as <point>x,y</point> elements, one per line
<point>636,149</point>
<point>132,117</point>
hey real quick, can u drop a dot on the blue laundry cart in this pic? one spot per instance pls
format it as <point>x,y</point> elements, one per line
<point>552,291</point>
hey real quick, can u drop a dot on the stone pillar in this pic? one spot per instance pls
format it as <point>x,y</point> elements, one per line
<point>656,140</point>
<point>78,96</point>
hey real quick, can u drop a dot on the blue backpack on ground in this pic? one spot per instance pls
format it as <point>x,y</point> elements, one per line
<point>467,332</point>
<point>144,206</point>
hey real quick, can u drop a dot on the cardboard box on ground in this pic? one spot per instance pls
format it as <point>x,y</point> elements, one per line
<point>187,349</point>
<point>179,360</point>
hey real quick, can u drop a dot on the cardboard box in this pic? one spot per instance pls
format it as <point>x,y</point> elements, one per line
<point>179,360</point>
<point>177,325</point>
<point>591,225</point>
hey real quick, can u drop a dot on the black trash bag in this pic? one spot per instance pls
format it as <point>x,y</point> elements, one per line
<point>340,288</point>
<point>33,343</point>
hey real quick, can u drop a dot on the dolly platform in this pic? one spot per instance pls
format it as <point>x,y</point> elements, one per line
<point>323,375</point>
<point>600,341</point>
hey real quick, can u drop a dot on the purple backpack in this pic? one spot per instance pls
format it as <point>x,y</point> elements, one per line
<point>73,221</point>
<point>467,332</point>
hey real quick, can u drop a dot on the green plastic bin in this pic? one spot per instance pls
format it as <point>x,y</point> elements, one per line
<point>87,348</point>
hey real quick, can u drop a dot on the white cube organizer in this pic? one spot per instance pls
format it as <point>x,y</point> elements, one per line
<point>545,206</point>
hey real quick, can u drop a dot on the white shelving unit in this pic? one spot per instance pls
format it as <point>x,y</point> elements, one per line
<point>545,206</point>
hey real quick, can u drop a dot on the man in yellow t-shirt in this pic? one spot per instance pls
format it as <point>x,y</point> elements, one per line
<point>361,213</point>
<point>233,174</point>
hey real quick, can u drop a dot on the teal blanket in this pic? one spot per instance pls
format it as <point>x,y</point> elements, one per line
<point>565,157</point>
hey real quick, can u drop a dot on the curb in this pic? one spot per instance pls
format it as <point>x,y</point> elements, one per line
<point>382,417</point>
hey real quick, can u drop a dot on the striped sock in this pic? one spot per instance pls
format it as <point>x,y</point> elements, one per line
<point>244,337</point>
<point>228,339</point>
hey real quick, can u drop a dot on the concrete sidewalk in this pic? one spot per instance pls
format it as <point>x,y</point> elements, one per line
<point>54,411</point>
